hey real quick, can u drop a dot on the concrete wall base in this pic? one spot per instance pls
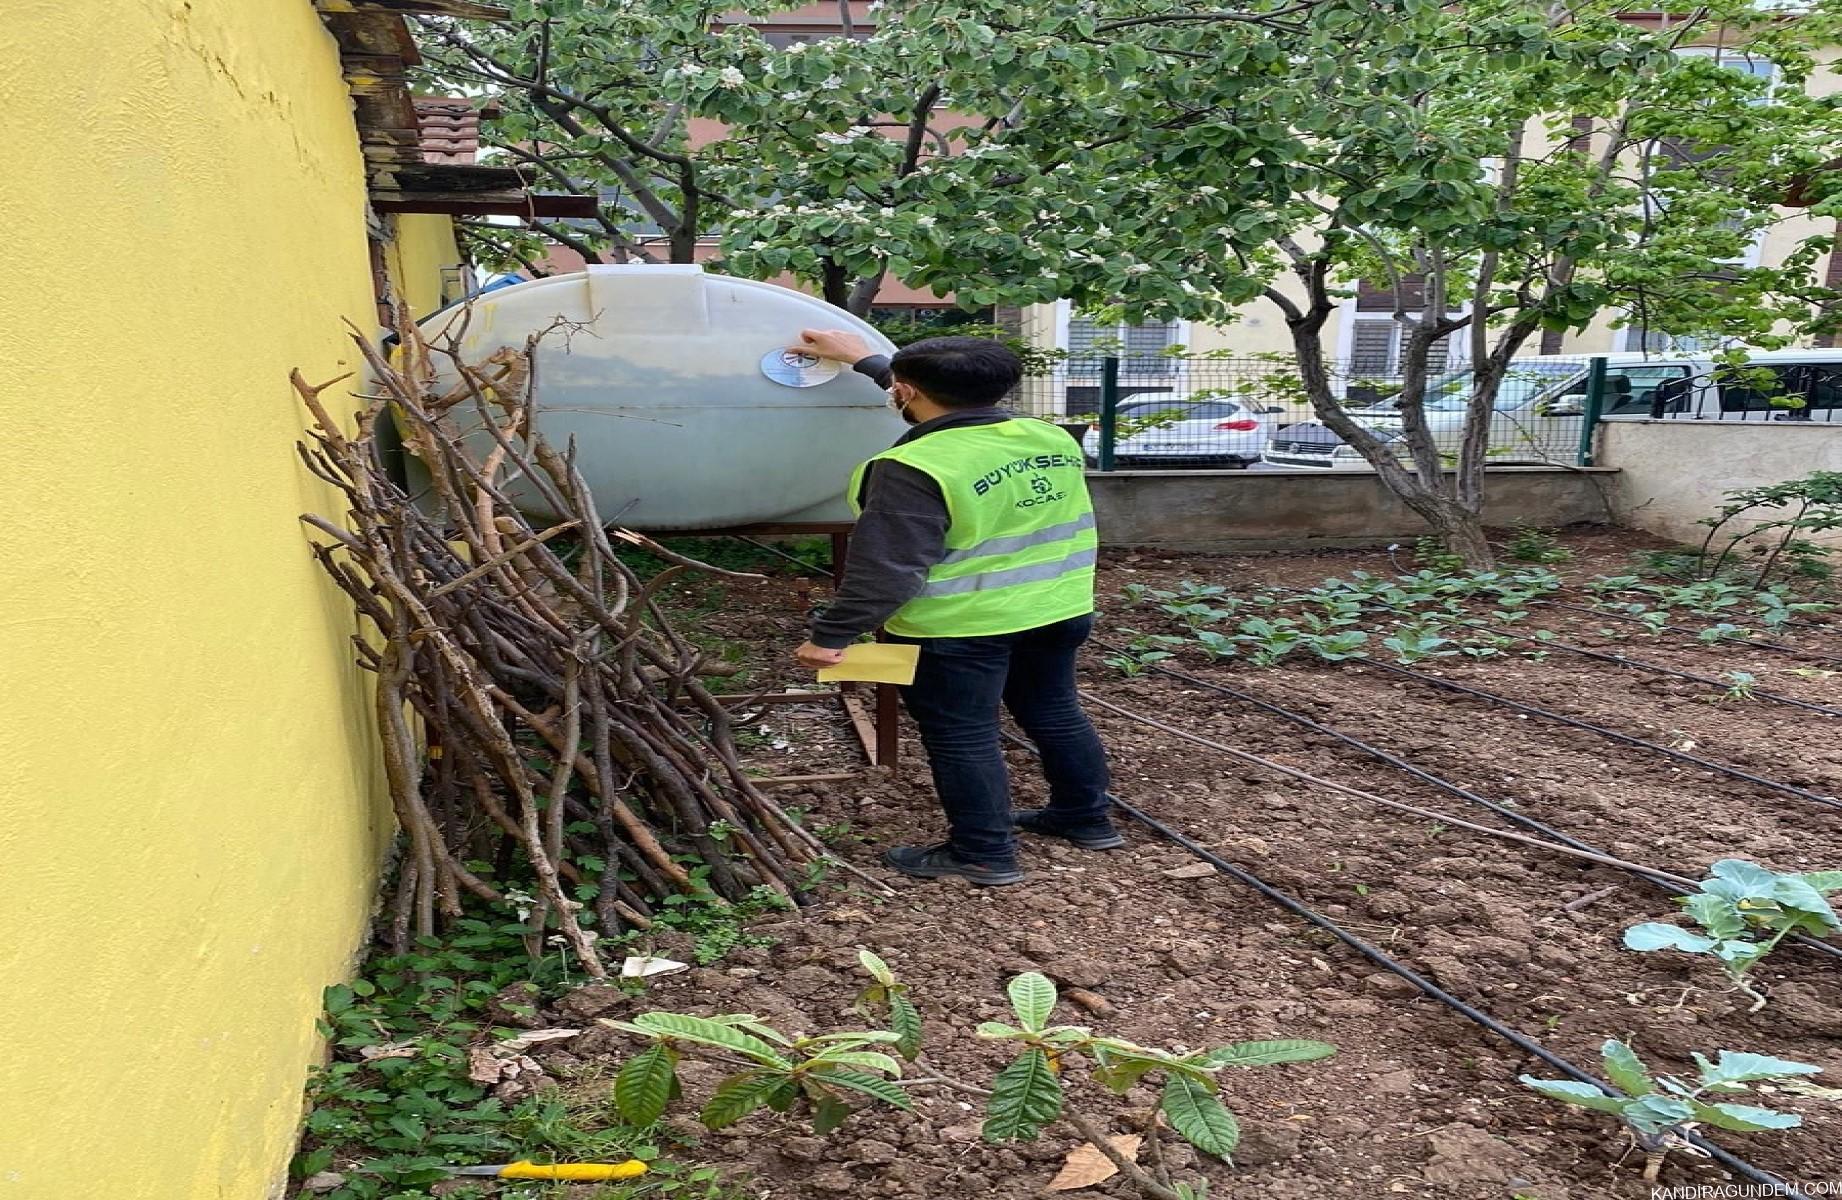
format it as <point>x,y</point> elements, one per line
<point>1673,473</point>
<point>1287,510</point>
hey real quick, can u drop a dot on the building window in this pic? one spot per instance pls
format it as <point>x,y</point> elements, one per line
<point>1141,349</point>
<point>1640,339</point>
<point>1375,338</point>
<point>1376,343</point>
<point>780,39</point>
<point>1754,65</point>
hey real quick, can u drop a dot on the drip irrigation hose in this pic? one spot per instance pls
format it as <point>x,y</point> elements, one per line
<point>1374,954</point>
<point>1446,785</point>
<point>1621,660</point>
<point>1706,764</point>
<point>1268,764</point>
<point>776,550</point>
<point>1693,633</point>
<point>1738,1166</point>
<point>1667,882</point>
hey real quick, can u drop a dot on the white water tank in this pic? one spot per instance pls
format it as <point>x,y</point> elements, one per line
<point>684,411</point>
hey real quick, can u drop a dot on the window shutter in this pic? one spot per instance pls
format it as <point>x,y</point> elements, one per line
<point>1372,347</point>
<point>1439,355</point>
<point>1145,346</point>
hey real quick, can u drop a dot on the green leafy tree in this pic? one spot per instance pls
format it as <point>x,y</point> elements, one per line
<point>1504,166</point>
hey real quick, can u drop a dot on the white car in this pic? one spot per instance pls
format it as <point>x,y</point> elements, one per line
<point>1539,413</point>
<point>1174,429</point>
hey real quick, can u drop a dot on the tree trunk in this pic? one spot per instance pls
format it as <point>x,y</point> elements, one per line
<point>1460,531</point>
<point>1456,523</point>
<point>863,294</point>
<point>834,285</point>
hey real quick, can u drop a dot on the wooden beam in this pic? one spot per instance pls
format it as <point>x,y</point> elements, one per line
<point>372,32</point>
<point>865,728</point>
<point>888,727</point>
<point>776,698</point>
<point>785,780</point>
<point>468,9</point>
<point>485,204</point>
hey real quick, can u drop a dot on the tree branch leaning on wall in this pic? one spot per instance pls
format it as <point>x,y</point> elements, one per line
<point>566,729</point>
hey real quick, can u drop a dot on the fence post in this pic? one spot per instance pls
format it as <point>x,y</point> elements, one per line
<point>1109,410</point>
<point>1592,408</point>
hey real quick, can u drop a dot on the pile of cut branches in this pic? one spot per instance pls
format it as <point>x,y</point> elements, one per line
<point>536,708</point>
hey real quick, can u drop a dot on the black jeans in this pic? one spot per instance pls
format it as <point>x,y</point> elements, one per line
<point>958,687</point>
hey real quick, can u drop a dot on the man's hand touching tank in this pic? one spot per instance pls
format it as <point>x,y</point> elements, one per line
<point>838,345</point>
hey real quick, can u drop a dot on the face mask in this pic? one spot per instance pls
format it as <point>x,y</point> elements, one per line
<point>901,408</point>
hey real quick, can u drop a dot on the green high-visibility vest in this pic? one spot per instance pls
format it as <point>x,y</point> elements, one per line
<point>1020,537</point>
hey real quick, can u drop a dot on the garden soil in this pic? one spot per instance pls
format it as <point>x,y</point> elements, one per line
<point>1418,1101</point>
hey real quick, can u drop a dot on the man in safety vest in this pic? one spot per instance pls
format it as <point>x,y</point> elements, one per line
<point>975,540</point>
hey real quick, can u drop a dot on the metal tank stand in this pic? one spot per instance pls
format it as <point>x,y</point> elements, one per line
<point>877,722</point>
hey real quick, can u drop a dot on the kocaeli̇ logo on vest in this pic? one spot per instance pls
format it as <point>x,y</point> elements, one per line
<point>1044,490</point>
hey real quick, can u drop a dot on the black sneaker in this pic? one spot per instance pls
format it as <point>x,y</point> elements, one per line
<point>935,862</point>
<point>1092,837</point>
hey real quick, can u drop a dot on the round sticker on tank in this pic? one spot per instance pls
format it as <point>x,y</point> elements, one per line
<point>795,368</point>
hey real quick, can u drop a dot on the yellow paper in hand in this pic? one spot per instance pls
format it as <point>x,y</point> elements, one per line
<point>875,662</point>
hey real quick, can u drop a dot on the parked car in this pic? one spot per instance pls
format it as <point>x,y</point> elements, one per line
<point>1539,409</point>
<point>1174,429</point>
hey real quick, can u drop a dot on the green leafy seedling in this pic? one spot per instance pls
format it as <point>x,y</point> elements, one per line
<point>1268,641</point>
<point>887,993</point>
<point>1740,685</point>
<point>1216,645</point>
<point>1338,647</point>
<point>1744,910</point>
<point>1030,1093</point>
<point>1659,1111</point>
<point>826,1073</point>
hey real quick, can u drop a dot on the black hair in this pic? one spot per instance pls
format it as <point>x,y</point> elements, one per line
<point>959,372</point>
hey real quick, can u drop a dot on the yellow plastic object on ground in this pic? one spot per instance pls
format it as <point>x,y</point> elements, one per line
<point>878,662</point>
<point>633,1168</point>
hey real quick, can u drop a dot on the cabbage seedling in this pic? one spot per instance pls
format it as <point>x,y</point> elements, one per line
<point>1336,647</point>
<point>1740,685</point>
<point>1269,641</point>
<point>1660,1111</point>
<point>1744,911</point>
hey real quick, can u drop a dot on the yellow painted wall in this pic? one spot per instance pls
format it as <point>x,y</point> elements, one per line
<point>422,247</point>
<point>191,816</point>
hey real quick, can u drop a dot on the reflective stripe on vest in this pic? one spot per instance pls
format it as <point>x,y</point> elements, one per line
<point>1020,535</point>
<point>1010,576</point>
<point>1021,541</point>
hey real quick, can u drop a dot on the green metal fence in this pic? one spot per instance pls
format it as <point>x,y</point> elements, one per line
<point>1210,411</point>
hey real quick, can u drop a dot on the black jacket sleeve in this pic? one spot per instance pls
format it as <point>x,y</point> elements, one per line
<point>901,533</point>
<point>876,366</point>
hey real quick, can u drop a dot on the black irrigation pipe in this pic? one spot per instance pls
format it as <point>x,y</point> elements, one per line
<point>1374,954</point>
<point>1661,878</point>
<point>1636,664</point>
<point>1694,633</point>
<point>1706,764</point>
<point>1380,958</point>
<point>1665,880</point>
<point>776,550</point>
